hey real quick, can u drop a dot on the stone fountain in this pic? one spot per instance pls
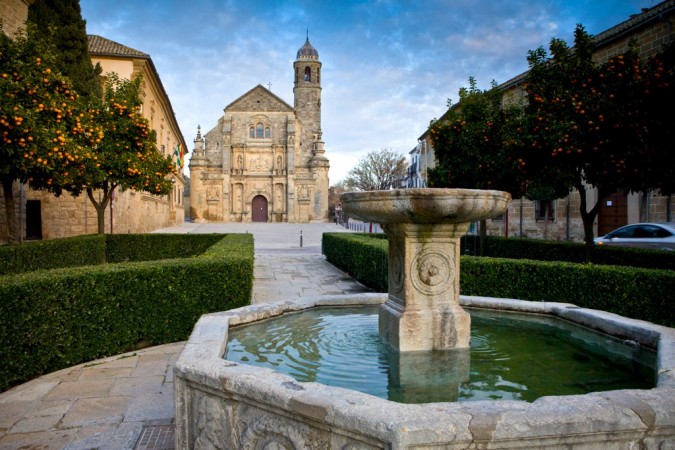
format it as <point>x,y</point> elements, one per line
<point>225,405</point>
<point>424,227</point>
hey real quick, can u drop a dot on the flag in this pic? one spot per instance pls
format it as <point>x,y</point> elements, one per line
<point>178,153</point>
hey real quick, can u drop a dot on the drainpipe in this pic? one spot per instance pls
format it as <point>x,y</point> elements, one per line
<point>567,218</point>
<point>521,217</point>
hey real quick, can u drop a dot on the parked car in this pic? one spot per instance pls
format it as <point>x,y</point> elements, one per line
<point>657,236</point>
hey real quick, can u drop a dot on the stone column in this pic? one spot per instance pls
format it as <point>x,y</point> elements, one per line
<point>423,312</point>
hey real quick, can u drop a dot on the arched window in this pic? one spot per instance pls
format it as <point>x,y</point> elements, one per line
<point>251,132</point>
<point>268,133</point>
<point>259,130</point>
<point>308,74</point>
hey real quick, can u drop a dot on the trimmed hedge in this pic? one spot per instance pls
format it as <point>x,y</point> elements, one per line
<point>55,319</point>
<point>363,256</point>
<point>150,247</point>
<point>645,294</point>
<point>523,248</point>
<point>638,293</point>
<point>68,252</point>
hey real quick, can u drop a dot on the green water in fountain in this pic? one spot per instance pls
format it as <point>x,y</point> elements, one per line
<point>512,356</point>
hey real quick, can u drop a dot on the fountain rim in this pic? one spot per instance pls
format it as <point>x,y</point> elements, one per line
<point>201,368</point>
<point>433,206</point>
<point>210,335</point>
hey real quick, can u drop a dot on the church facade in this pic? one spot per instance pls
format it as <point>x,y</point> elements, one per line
<point>264,160</point>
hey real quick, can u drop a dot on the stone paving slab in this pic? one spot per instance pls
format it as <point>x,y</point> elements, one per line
<point>109,404</point>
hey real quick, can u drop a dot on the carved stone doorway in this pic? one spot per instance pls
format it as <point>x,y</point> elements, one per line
<point>259,209</point>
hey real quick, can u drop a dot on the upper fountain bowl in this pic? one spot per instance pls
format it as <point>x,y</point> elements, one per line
<point>424,205</point>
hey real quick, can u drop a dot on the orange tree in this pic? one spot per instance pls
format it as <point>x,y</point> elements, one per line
<point>590,124</point>
<point>40,121</point>
<point>477,144</point>
<point>120,149</point>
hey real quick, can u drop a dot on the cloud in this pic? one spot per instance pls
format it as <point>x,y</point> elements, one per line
<point>389,66</point>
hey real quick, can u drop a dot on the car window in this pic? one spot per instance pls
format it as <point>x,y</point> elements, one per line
<point>662,233</point>
<point>644,231</point>
<point>627,232</point>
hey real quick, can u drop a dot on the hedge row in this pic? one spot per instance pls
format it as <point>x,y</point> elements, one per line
<point>645,294</point>
<point>150,247</point>
<point>57,318</point>
<point>362,256</point>
<point>68,252</point>
<point>638,293</point>
<point>522,248</point>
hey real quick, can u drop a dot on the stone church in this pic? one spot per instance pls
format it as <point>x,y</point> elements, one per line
<point>264,160</point>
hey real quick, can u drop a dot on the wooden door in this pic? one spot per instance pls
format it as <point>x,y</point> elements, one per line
<point>33,220</point>
<point>259,209</point>
<point>613,213</point>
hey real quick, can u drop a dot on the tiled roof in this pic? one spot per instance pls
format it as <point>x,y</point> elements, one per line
<point>101,46</point>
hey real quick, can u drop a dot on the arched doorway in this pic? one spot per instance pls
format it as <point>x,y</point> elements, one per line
<point>259,209</point>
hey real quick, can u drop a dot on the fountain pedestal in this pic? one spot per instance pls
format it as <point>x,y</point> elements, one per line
<point>424,227</point>
<point>422,311</point>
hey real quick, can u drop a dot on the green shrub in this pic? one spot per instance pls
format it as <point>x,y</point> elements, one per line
<point>522,248</point>
<point>150,247</point>
<point>68,252</point>
<point>363,256</point>
<point>57,318</point>
<point>638,293</point>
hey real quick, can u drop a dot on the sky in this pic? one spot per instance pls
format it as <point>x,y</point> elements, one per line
<point>389,66</point>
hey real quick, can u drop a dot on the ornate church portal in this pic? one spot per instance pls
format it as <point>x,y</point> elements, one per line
<point>264,160</point>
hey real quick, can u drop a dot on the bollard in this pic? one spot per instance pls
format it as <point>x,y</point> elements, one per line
<point>300,238</point>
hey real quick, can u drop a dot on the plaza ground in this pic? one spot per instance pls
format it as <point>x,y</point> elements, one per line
<point>126,401</point>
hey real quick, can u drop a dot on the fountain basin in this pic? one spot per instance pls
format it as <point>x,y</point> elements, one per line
<point>221,404</point>
<point>425,205</point>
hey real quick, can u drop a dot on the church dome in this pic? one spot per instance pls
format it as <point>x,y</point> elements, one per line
<point>307,51</point>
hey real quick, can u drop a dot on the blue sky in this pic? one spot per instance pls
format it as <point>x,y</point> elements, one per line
<point>389,67</point>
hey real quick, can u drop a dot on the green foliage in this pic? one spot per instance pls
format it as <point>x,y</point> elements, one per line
<point>631,292</point>
<point>148,247</point>
<point>598,125</point>
<point>39,119</point>
<point>62,21</point>
<point>477,142</point>
<point>362,256</point>
<point>121,149</point>
<point>537,249</point>
<point>57,318</point>
<point>53,254</point>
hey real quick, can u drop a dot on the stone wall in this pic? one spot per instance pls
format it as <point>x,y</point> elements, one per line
<point>13,14</point>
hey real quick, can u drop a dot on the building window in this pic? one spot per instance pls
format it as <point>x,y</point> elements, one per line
<point>268,133</point>
<point>259,130</point>
<point>251,132</point>
<point>540,208</point>
<point>308,74</point>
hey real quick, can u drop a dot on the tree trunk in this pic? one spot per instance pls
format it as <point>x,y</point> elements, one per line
<point>588,217</point>
<point>10,211</point>
<point>100,206</point>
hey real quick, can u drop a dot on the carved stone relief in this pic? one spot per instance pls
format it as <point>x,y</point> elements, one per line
<point>431,272</point>
<point>213,193</point>
<point>259,163</point>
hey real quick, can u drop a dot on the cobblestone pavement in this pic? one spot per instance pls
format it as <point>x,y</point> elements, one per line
<point>126,401</point>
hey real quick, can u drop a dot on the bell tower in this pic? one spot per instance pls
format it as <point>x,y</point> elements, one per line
<point>307,98</point>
